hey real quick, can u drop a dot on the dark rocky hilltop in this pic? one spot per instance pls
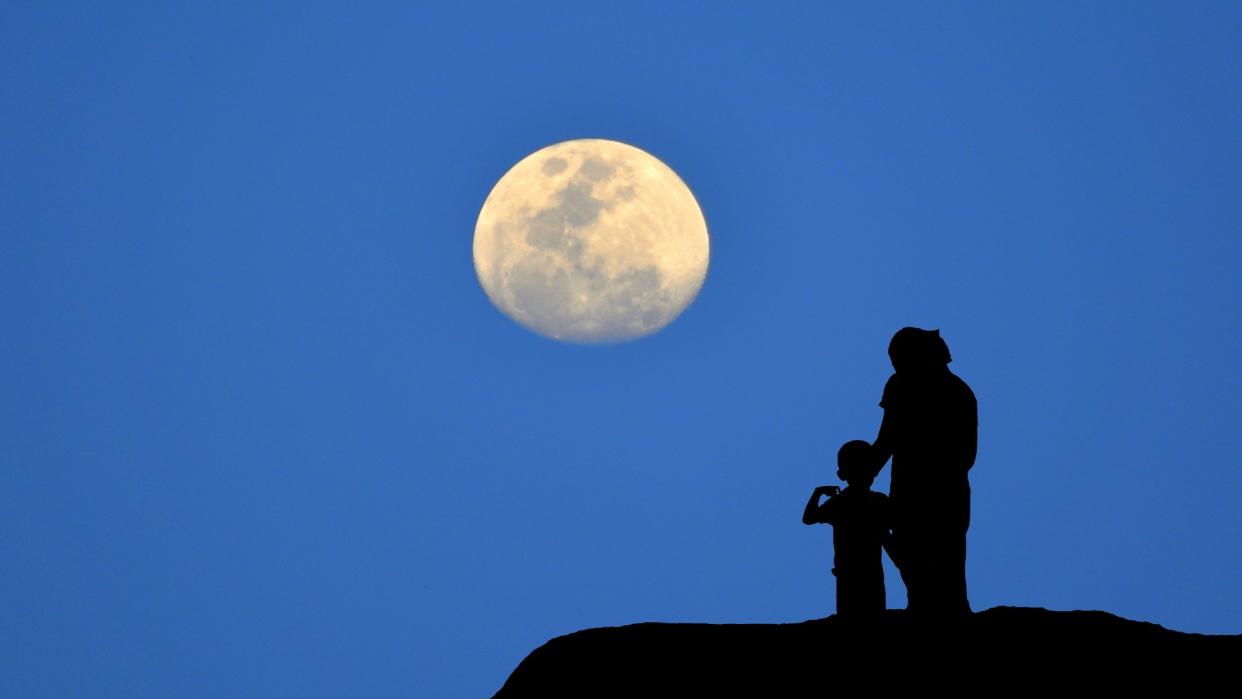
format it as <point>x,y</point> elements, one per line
<point>1002,651</point>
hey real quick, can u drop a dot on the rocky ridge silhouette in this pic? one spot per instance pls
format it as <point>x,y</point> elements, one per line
<point>1001,651</point>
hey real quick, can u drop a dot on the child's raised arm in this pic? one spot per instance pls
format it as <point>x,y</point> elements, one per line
<point>816,513</point>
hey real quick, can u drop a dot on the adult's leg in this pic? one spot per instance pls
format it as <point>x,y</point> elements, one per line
<point>946,563</point>
<point>909,554</point>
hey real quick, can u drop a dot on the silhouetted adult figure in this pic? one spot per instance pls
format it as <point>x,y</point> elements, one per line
<point>930,429</point>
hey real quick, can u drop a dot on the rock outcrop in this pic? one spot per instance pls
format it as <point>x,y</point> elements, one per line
<point>1002,651</point>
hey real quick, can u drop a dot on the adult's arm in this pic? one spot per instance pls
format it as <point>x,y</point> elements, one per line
<point>883,444</point>
<point>884,512</point>
<point>971,447</point>
<point>969,444</point>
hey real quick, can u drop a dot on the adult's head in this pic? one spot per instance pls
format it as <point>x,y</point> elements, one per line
<point>915,349</point>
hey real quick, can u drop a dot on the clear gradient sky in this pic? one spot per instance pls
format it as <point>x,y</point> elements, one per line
<point>262,433</point>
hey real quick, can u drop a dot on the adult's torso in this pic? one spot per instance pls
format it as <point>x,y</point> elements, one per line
<point>933,419</point>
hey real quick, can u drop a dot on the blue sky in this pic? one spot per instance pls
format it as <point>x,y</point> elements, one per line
<point>263,434</point>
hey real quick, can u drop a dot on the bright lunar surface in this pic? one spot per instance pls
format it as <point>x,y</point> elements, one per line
<point>591,241</point>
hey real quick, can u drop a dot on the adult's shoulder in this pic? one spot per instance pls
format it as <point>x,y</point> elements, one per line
<point>961,386</point>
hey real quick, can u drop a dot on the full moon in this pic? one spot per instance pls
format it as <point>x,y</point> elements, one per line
<point>591,241</point>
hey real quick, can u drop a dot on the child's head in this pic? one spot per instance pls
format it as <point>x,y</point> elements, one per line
<point>856,463</point>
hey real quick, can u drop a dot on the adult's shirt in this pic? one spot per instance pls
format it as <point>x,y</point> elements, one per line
<point>932,422</point>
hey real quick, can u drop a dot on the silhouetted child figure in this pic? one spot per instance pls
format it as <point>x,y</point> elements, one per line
<point>860,530</point>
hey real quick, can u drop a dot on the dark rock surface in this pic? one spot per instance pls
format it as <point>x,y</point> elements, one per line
<point>1002,651</point>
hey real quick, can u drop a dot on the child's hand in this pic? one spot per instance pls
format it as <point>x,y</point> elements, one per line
<point>829,490</point>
